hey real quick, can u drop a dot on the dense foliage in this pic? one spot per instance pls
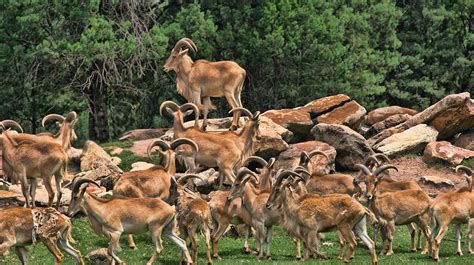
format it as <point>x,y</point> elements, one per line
<point>104,58</point>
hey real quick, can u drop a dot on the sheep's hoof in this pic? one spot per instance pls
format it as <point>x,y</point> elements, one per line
<point>298,257</point>
<point>269,257</point>
<point>459,253</point>
<point>134,247</point>
<point>216,257</point>
<point>413,250</point>
<point>233,128</point>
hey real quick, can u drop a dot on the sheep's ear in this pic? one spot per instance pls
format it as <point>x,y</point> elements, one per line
<point>183,52</point>
<point>170,111</point>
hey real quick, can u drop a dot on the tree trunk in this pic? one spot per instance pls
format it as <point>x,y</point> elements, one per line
<point>98,117</point>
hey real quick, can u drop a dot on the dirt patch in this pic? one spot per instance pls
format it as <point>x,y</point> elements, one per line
<point>139,147</point>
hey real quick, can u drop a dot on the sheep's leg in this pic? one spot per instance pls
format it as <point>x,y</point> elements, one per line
<point>156,238</point>
<point>360,230</point>
<point>66,246</point>
<point>298,248</point>
<point>312,245</point>
<point>348,236</point>
<point>131,241</point>
<point>390,233</point>
<point>260,237</point>
<point>341,246</point>
<point>268,241</point>
<point>221,227</point>
<point>207,236</point>
<point>194,243</point>
<point>169,233</point>
<point>33,185</point>
<point>236,116</point>
<point>206,103</point>
<point>57,177</point>
<point>21,253</point>
<point>443,229</point>
<point>422,224</point>
<point>469,235</point>
<point>458,239</point>
<point>49,189</point>
<point>114,241</point>
<point>53,248</point>
<point>383,234</point>
<point>418,242</point>
<point>247,232</point>
<point>412,231</point>
<point>25,188</point>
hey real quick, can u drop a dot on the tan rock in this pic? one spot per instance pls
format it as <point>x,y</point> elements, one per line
<point>380,114</point>
<point>412,140</point>
<point>143,134</point>
<point>351,147</point>
<point>446,152</point>
<point>350,114</point>
<point>389,122</point>
<point>141,166</point>
<point>290,158</point>
<point>298,121</point>
<point>454,120</point>
<point>326,104</point>
<point>436,181</point>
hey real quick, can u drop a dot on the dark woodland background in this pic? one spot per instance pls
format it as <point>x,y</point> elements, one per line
<point>104,58</point>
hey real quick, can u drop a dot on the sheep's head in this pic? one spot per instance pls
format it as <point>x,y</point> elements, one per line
<point>11,124</point>
<point>467,172</point>
<point>177,54</point>
<point>180,112</point>
<point>66,125</point>
<point>253,123</point>
<point>371,178</point>
<point>317,162</point>
<point>277,194</point>
<point>243,175</point>
<point>77,195</point>
<point>168,151</point>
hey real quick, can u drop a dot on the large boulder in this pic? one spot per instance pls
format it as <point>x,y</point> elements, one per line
<point>412,140</point>
<point>389,122</point>
<point>41,197</point>
<point>380,114</point>
<point>143,134</point>
<point>97,165</point>
<point>446,152</point>
<point>452,114</point>
<point>350,114</point>
<point>324,105</point>
<point>298,121</point>
<point>454,120</point>
<point>289,159</point>
<point>351,147</point>
<point>465,140</point>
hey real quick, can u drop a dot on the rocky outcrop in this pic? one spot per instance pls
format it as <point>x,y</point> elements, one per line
<point>389,122</point>
<point>436,181</point>
<point>444,151</point>
<point>380,114</point>
<point>97,165</point>
<point>437,116</point>
<point>289,159</point>
<point>99,257</point>
<point>351,147</point>
<point>324,105</point>
<point>350,114</point>
<point>412,140</point>
<point>298,121</point>
<point>143,134</point>
<point>465,140</point>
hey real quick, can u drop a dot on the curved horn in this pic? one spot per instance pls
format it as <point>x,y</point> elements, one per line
<point>71,116</point>
<point>256,159</point>
<point>373,159</point>
<point>168,104</point>
<point>162,144</point>
<point>185,42</point>
<point>6,183</point>
<point>382,156</point>
<point>12,123</point>
<point>363,168</point>
<point>191,106</point>
<point>304,158</point>
<point>317,152</point>
<point>383,168</point>
<point>182,180</point>
<point>285,174</point>
<point>256,115</point>
<point>465,169</point>
<point>244,110</point>
<point>271,162</point>
<point>187,141</point>
<point>301,171</point>
<point>242,173</point>
<point>57,117</point>
<point>79,182</point>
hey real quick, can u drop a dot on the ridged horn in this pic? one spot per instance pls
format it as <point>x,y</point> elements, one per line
<point>162,144</point>
<point>465,169</point>
<point>191,106</point>
<point>383,168</point>
<point>182,180</point>
<point>71,116</point>
<point>256,159</point>
<point>381,156</point>
<point>181,141</point>
<point>285,174</point>
<point>48,117</point>
<point>184,42</point>
<point>271,162</point>
<point>373,159</point>
<point>243,110</point>
<point>79,182</point>
<point>242,173</point>
<point>168,104</point>
<point>364,169</point>
<point>11,123</point>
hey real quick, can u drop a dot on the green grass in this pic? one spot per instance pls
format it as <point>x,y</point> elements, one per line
<point>128,158</point>
<point>121,144</point>
<point>231,250</point>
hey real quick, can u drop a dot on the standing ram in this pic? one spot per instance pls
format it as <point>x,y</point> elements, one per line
<point>200,80</point>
